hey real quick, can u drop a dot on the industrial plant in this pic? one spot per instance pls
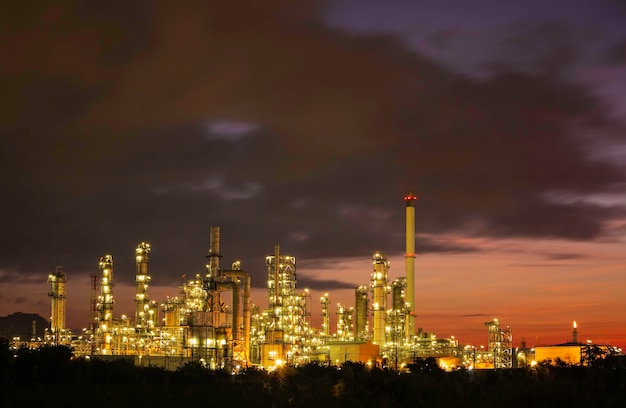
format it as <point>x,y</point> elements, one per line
<point>213,321</point>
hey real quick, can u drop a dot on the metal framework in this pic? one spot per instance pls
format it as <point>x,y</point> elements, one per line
<point>325,302</point>
<point>380,289</point>
<point>344,323</point>
<point>500,344</point>
<point>57,281</point>
<point>144,320</point>
<point>105,303</point>
<point>361,302</point>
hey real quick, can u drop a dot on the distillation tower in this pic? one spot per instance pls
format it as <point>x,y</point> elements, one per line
<point>57,281</point>
<point>105,303</point>
<point>380,289</point>
<point>500,344</point>
<point>361,303</point>
<point>344,323</point>
<point>282,333</point>
<point>400,312</point>
<point>211,336</point>
<point>285,305</point>
<point>94,292</point>
<point>144,315</point>
<point>325,303</point>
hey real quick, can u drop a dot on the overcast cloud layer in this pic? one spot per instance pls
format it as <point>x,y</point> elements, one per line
<point>152,121</point>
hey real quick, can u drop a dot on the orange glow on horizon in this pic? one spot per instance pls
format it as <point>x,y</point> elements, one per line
<point>517,280</point>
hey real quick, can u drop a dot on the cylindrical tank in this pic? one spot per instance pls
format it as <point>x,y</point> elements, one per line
<point>397,294</point>
<point>173,312</point>
<point>361,315</point>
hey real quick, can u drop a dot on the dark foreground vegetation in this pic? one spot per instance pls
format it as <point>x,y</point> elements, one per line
<point>49,377</point>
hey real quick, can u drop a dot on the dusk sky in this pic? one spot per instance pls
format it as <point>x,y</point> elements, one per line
<point>303,123</point>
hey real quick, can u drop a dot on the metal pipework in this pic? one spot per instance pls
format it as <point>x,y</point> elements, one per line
<point>344,323</point>
<point>402,317</point>
<point>277,302</point>
<point>142,279</point>
<point>234,287</point>
<point>236,274</point>
<point>214,302</point>
<point>57,281</point>
<point>213,255</point>
<point>325,301</point>
<point>281,297</point>
<point>409,258</point>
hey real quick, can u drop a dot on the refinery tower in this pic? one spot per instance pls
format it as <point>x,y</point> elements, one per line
<point>57,281</point>
<point>409,258</point>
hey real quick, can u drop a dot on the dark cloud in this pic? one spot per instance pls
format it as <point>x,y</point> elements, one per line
<point>546,48</point>
<point>616,54</point>
<point>551,220</point>
<point>530,46</point>
<point>437,246</point>
<point>13,276</point>
<point>563,256</point>
<point>444,39</point>
<point>165,121</point>
<point>315,284</point>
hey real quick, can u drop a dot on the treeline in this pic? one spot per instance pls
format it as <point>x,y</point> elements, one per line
<point>49,375</point>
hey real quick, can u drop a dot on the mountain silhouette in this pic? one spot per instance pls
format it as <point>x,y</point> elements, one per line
<point>21,325</point>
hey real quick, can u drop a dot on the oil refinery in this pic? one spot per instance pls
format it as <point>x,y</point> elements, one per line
<point>213,321</point>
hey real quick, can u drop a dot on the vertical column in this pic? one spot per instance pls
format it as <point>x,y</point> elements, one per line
<point>142,316</point>
<point>409,258</point>
<point>105,305</point>
<point>379,287</point>
<point>325,301</point>
<point>57,282</point>
<point>361,305</point>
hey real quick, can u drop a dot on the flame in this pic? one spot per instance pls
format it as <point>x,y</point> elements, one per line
<point>575,324</point>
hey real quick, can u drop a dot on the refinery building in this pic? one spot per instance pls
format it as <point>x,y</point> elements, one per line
<point>212,319</point>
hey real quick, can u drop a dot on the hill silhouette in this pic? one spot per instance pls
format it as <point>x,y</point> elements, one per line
<point>21,325</point>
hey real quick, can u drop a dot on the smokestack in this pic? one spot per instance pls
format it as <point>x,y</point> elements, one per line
<point>213,254</point>
<point>409,258</point>
<point>575,333</point>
